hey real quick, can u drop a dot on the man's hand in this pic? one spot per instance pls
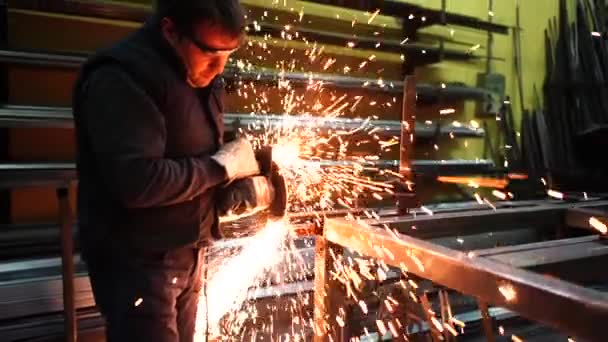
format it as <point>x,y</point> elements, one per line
<point>245,197</point>
<point>238,159</point>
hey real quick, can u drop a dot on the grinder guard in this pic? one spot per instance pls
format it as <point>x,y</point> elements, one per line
<point>265,194</point>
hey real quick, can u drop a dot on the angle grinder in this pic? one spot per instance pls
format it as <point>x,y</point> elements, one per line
<point>261,196</point>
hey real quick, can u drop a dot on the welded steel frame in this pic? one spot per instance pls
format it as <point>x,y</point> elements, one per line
<point>581,217</point>
<point>406,198</point>
<point>522,214</point>
<point>575,310</point>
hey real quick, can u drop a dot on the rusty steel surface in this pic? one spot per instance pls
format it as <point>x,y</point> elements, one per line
<point>406,199</point>
<point>573,309</point>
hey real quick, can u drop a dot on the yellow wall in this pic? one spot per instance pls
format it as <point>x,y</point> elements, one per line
<point>534,16</point>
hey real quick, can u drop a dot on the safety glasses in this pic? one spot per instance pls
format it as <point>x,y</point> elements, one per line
<point>211,51</point>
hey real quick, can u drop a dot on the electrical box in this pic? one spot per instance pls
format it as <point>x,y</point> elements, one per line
<point>496,83</point>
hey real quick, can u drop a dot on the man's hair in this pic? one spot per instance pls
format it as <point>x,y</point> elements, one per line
<point>229,14</point>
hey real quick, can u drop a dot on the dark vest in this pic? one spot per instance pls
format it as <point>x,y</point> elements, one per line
<point>194,123</point>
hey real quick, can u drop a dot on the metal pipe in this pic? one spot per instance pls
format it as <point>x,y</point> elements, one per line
<point>67,265</point>
<point>428,92</point>
<point>487,320</point>
<point>430,54</point>
<point>490,47</point>
<point>53,174</point>
<point>61,117</point>
<point>407,200</point>
<point>518,57</point>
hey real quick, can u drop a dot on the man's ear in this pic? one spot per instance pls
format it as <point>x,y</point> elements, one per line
<point>169,30</point>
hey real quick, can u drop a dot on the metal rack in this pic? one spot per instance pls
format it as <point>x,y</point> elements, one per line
<point>60,178</point>
<point>428,93</point>
<point>61,117</point>
<point>420,54</point>
<point>419,16</point>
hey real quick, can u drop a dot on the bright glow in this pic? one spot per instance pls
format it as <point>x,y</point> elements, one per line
<point>230,280</point>
<point>508,292</point>
<point>139,301</point>
<point>373,16</point>
<point>287,155</point>
<point>499,194</point>
<point>555,194</point>
<point>599,225</point>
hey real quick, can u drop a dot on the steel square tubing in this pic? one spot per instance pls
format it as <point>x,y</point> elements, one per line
<point>547,216</point>
<point>573,309</point>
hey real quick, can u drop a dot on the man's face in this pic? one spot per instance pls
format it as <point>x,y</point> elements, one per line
<point>204,52</point>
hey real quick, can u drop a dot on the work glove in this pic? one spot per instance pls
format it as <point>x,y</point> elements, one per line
<point>245,197</point>
<point>238,159</point>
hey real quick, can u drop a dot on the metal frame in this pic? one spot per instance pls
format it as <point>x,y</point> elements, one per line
<point>39,175</point>
<point>431,16</point>
<point>61,117</point>
<point>42,237</point>
<point>4,96</point>
<point>51,174</point>
<point>35,117</point>
<point>96,9</point>
<point>543,215</point>
<point>422,54</point>
<point>18,289</point>
<point>60,176</point>
<point>139,12</point>
<point>477,276</point>
<point>427,93</point>
<point>580,217</point>
<point>406,199</point>
<point>67,265</point>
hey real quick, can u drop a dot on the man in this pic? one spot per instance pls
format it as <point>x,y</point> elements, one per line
<point>150,156</point>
